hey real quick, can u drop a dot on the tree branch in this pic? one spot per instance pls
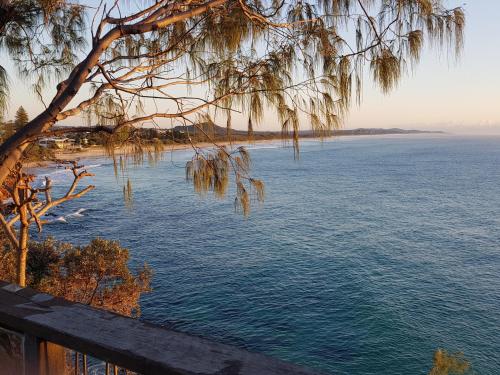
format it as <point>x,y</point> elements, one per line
<point>9,232</point>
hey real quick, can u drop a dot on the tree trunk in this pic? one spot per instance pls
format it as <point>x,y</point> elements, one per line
<point>12,149</point>
<point>8,159</point>
<point>22,252</point>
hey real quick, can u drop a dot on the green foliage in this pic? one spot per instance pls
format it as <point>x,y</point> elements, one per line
<point>7,128</point>
<point>42,37</point>
<point>294,58</point>
<point>21,118</point>
<point>96,274</point>
<point>35,153</point>
<point>209,171</point>
<point>43,259</point>
<point>7,259</point>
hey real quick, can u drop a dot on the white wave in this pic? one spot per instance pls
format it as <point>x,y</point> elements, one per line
<point>77,213</point>
<point>263,147</point>
<point>59,219</point>
<point>92,166</point>
<point>61,170</point>
<point>59,175</point>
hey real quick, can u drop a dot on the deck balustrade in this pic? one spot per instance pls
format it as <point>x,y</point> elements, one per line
<point>44,335</point>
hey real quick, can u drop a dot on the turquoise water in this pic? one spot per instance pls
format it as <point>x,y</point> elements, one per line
<point>368,254</point>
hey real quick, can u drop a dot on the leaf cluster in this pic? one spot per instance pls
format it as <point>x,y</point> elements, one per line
<point>96,274</point>
<point>42,37</point>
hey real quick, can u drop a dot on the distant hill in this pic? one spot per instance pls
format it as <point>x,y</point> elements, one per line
<point>219,131</point>
<point>378,131</point>
<point>211,130</point>
<point>206,132</point>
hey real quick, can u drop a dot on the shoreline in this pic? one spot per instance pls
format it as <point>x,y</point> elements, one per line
<point>94,152</point>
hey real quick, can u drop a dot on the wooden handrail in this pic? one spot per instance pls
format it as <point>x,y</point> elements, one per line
<point>129,343</point>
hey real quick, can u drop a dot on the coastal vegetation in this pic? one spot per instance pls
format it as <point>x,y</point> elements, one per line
<point>96,274</point>
<point>34,152</point>
<point>9,128</point>
<point>207,133</point>
<point>26,208</point>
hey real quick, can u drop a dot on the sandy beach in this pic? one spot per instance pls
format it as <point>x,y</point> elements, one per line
<point>100,152</point>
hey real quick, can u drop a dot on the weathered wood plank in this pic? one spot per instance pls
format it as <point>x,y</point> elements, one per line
<point>129,343</point>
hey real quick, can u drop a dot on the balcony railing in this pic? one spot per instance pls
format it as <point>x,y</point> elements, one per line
<point>37,331</point>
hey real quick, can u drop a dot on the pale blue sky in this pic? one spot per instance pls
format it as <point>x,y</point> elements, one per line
<point>440,94</point>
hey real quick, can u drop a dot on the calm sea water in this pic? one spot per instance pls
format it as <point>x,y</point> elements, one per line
<point>368,254</point>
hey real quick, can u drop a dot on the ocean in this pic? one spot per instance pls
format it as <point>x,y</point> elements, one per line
<point>368,254</point>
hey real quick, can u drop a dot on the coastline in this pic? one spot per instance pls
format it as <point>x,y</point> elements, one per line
<point>94,152</point>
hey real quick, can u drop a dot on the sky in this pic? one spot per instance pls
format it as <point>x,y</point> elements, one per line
<point>441,93</point>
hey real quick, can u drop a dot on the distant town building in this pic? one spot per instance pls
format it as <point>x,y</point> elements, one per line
<point>57,142</point>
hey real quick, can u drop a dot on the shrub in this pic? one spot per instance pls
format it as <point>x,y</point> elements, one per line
<point>96,274</point>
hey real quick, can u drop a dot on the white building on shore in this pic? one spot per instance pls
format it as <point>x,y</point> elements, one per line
<point>57,142</point>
